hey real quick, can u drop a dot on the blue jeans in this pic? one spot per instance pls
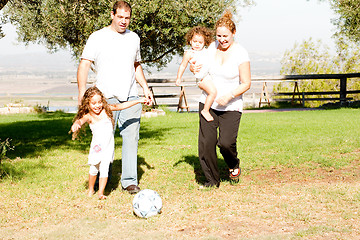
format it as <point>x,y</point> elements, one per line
<point>128,121</point>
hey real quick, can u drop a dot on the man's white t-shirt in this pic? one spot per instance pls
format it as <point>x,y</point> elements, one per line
<point>114,55</point>
<point>226,77</point>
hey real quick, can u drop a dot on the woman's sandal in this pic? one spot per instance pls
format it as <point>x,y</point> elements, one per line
<point>235,174</point>
<point>102,197</point>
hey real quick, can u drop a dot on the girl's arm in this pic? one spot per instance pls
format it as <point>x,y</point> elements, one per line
<point>121,106</point>
<point>182,67</point>
<point>78,123</point>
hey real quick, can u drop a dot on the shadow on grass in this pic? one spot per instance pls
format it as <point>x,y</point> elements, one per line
<point>115,176</point>
<point>193,161</point>
<point>33,138</point>
<point>9,170</point>
<point>49,132</point>
<point>147,132</point>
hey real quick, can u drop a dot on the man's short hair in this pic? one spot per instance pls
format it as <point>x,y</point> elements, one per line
<point>121,5</point>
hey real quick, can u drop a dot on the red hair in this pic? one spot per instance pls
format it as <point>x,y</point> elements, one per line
<point>226,21</point>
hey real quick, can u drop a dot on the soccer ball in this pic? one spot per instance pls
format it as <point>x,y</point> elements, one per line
<point>147,203</point>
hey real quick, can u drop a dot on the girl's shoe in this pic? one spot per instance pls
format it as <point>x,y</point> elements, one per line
<point>235,174</point>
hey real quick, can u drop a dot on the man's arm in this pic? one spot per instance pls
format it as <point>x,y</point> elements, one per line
<point>82,76</point>
<point>140,78</point>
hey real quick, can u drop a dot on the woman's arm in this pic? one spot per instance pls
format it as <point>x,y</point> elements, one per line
<point>195,68</point>
<point>245,79</point>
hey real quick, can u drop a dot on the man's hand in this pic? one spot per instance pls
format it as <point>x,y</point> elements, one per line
<point>148,95</point>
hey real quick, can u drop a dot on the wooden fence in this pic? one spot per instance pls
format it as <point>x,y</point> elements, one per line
<point>181,94</point>
<point>167,90</point>
<point>296,95</point>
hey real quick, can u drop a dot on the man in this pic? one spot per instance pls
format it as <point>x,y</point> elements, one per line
<point>115,51</point>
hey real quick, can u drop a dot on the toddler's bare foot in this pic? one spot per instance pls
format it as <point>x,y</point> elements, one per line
<point>207,115</point>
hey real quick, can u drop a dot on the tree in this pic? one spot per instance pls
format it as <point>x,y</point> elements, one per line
<point>161,24</point>
<point>311,57</point>
<point>348,21</point>
<point>2,5</point>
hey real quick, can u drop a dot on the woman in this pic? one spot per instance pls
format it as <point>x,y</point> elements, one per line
<point>230,72</point>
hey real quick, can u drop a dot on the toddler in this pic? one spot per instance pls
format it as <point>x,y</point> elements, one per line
<point>199,37</point>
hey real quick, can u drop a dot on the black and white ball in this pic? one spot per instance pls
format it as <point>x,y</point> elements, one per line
<point>147,203</point>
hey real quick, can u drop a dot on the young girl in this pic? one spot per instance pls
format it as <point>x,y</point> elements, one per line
<point>95,111</point>
<point>199,37</point>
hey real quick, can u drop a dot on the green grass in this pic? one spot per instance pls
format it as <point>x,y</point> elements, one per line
<point>300,180</point>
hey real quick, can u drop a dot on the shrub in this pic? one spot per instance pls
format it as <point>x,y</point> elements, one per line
<point>4,147</point>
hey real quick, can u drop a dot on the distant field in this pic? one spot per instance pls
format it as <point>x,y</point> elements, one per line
<point>58,92</point>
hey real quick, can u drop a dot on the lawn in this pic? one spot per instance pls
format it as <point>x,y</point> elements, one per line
<point>300,180</point>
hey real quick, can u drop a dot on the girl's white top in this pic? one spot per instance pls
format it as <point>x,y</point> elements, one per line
<point>201,57</point>
<point>102,143</point>
<point>226,76</point>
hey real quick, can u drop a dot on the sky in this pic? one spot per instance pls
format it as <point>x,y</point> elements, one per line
<point>275,25</point>
<point>269,27</point>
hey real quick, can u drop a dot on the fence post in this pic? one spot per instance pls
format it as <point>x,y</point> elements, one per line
<point>182,96</point>
<point>343,90</point>
<point>303,99</point>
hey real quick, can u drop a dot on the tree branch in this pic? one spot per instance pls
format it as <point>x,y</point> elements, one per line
<point>160,57</point>
<point>3,3</point>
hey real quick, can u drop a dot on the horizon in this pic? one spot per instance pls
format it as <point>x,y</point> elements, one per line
<point>43,64</point>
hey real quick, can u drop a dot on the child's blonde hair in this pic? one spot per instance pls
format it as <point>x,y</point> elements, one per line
<point>208,34</point>
<point>84,108</point>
